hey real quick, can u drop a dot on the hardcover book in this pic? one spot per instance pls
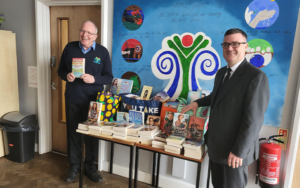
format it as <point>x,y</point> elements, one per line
<point>136,116</point>
<point>162,96</point>
<point>171,104</point>
<point>180,124</point>
<point>123,116</point>
<point>195,128</point>
<point>193,95</point>
<point>146,92</point>
<point>116,85</point>
<point>126,86</point>
<point>153,120</point>
<point>168,123</point>
<point>78,65</point>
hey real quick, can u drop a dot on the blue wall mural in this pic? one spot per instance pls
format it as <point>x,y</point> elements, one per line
<point>177,44</point>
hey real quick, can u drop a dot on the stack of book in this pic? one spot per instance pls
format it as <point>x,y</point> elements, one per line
<point>107,129</point>
<point>95,129</point>
<point>120,130</point>
<point>194,149</point>
<point>83,128</point>
<point>132,132</point>
<point>174,144</point>
<point>147,134</point>
<point>160,140</point>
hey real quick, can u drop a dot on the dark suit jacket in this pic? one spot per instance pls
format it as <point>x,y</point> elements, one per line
<point>237,114</point>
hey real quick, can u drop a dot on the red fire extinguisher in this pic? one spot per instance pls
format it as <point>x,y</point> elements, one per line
<point>268,164</point>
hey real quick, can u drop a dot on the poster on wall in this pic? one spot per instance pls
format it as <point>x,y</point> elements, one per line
<point>175,46</point>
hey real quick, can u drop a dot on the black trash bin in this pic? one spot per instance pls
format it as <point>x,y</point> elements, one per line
<point>19,135</point>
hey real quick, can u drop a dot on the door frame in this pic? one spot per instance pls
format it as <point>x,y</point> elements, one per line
<point>43,49</point>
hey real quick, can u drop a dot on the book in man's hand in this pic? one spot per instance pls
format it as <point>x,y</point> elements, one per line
<point>78,67</point>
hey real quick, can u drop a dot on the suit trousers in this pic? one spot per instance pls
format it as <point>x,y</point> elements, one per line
<point>78,113</point>
<point>224,176</point>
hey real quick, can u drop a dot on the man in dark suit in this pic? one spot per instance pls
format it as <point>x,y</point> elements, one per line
<point>239,99</point>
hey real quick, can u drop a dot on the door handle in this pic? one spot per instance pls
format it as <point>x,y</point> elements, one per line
<point>53,86</point>
<point>53,61</point>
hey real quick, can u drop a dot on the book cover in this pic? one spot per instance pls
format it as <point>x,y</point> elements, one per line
<point>204,92</point>
<point>180,124</point>
<point>153,120</point>
<point>171,104</point>
<point>148,130</point>
<point>195,128</point>
<point>204,112</point>
<point>135,128</point>
<point>161,137</point>
<point>193,95</point>
<point>175,139</point>
<point>109,124</point>
<point>78,65</point>
<point>123,116</point>
<point>168,122</point>
<point>146,92</point>
<point>126,86</point>
<point>116,85</point>
<point>193,144</point>
<point>123,126</point>
<point>162,96</point>
<point>136,116</point>
<point>94,113</point>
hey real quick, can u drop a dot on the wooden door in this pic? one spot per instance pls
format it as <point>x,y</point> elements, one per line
<point>65,23</point>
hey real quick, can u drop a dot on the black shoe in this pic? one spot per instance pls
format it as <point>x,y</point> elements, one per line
<point>94,176</point>
<point>72,174</point>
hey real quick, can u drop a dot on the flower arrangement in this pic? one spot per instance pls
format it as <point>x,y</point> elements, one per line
<point>1,18</point>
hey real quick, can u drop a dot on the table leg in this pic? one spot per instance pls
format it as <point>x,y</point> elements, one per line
<point>81,162</point>
<point>111,157</point>
<point>198,174</point>
<point>130,167</point>
<point>153,168</point>
<point>208,176</point>
<point>157,170</point>
<point>136,166</point>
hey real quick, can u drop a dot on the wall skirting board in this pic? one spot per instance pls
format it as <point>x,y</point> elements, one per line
<point>164,182</point>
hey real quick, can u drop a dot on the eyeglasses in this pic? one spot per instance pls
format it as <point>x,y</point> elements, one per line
<point>87,32</point>
<point>226,45</point>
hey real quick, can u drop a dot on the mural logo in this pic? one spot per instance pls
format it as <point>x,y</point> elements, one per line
<point>261,14</point>
<point>183,60</point>
<point>259,53</point>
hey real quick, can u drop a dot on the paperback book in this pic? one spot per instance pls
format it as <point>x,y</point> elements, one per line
<point>78,65</point>
<point>193,144</point>
<point>161,137</point>
<point>195,128</point>
<point>146,92</point>
<point>135,128</point>
<point>175,139</point>
<point>126,86</point>
<point>148,130</point>
<point>180,124</point>
<point>136,116</point>
<point>116,85</point>
<point>162,96</point>
<point>168,122</point>
<point>123,116</point>
<point>123,126</point>
<point>153,120</point>
<point>94,113</point>
<point>82,131</point>
<point>193,95</point>
<point>171,104</point>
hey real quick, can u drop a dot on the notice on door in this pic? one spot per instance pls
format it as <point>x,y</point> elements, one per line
<point>32,76</point>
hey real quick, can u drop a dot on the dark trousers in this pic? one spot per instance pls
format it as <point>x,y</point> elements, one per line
<point>75,114</point>
<point>224,176</point>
